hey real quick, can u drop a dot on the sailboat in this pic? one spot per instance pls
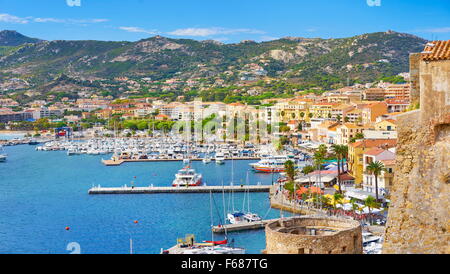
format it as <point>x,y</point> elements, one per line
<point>235,216</point>
<point>249,216</point>
<point>189,246</point>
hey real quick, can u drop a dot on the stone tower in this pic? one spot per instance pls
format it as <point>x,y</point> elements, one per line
<point>418,220</point>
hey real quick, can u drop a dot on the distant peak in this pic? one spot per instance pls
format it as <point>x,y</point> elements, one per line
<point>13,38</point>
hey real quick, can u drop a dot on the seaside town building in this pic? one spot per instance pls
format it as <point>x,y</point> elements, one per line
<point>386,177</point>
<point>356,155</point>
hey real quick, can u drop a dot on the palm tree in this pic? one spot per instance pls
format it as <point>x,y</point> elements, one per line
<point>306,171</point>
<point>337,199</point>
<point>338,151</point>
<point>355,206</point>
<point>344,156</point>
<point>371,203</point>
<point>375,168</point>
<point>290,170</point>
<point>319,157</point>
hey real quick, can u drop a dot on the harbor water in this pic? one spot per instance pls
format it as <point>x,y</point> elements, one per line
<point>45,206</point>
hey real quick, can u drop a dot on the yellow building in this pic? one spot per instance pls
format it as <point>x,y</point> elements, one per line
<point>292,110</point>
<point>323,110</point>
<point>371,111</point>
<point>346,132</point>
<point>386,125</point>
<point>356,155</point>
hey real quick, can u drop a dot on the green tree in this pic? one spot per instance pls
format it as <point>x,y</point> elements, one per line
<point>375,169</point>
<point>339,152</point>
<point>371,203</point>
<point>289,168</point>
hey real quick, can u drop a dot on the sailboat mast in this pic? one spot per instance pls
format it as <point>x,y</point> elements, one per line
<point>232,182</point>
<point>211,215</point>
<point>224,213</point>
<point>248,193</point>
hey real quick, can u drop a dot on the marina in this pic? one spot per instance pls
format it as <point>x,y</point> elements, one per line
<point>118,162</point>
<point>177,190</point>
<point>40,224</point>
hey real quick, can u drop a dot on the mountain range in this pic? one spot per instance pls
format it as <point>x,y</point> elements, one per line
<point>314,61</point>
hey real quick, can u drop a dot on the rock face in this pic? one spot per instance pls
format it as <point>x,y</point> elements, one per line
<point>314,235</point>
<point>418,220</point>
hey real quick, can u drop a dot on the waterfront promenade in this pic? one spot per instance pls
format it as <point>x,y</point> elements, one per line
<point>174,190</point>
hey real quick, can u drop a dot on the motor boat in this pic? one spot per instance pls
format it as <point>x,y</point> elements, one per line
<point>187,177</point>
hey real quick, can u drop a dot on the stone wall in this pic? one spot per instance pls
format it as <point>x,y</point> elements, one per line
<point>418,220</point>
<point>347,240</point>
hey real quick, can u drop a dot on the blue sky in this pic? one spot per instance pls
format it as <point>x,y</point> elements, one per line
<point>228,21</point>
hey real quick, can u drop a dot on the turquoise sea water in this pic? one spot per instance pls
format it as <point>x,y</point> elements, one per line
<point>44,192</point>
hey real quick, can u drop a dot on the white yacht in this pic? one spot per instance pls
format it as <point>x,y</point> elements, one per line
<point>206,160</point>
<point>236,217</point>
<point>187,177</point>
<point>252,217</point>
<point>220,158</point>
<point>272,164</point>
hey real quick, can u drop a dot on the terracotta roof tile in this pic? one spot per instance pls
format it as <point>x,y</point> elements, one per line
<point>436,50</point>
<point>369,143</point>
<point>374,151</point>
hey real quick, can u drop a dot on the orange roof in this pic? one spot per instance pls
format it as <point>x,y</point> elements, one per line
<point>368,143</point>
<point>161,116</point>
<point>374,151</point>
<point>350,125</point>
<point>436,50</point>
<point>392,121</point>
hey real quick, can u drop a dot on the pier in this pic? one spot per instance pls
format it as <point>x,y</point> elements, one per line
<point>242,226</point>
<point>175,190</point>
<point>118,162</point>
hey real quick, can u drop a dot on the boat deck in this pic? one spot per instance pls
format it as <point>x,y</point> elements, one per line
<point>173,190</point>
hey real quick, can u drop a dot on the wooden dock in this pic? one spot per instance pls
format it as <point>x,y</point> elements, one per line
<point>121,161</point>
<point>242,226</point>
<point>174,190</point>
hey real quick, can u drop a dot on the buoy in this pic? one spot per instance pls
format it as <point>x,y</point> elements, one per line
<point>67,228</point>
<point>136,222</point>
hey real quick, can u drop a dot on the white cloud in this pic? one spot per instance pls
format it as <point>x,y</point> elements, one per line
<point>439,30</point>
<point>203,32</point>
<point>48,20</point>
<point>138,30</point>
<point>267,38</point>
<point>69,21</point>
<point>8,18</point>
